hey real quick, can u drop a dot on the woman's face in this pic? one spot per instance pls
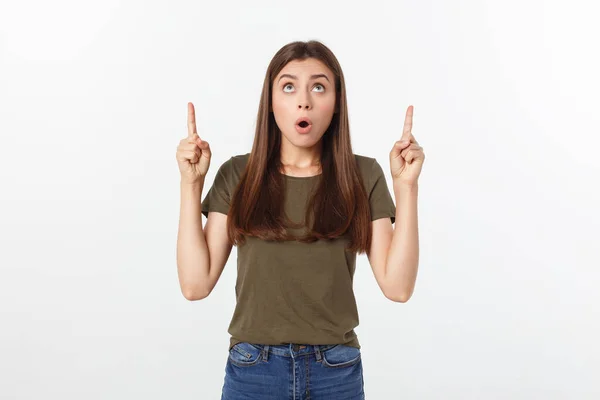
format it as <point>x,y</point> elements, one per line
<point>304,89</point>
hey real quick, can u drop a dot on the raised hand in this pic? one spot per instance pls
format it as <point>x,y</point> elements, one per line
<point>193,154</point>
<point>406,157</point>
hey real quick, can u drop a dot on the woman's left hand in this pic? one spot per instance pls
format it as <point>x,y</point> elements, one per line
<point>406,157</point>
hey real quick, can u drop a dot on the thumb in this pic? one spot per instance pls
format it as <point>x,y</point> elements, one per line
<point>402,144</point>
<point>204,146</point>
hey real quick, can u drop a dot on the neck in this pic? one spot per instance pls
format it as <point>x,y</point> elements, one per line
<point>300,157</point>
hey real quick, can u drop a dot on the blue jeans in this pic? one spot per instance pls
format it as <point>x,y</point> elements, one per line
<point>293,372</point>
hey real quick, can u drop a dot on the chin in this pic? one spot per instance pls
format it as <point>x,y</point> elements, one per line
<point>305,140</point>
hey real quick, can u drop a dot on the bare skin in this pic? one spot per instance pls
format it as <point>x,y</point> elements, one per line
<point>303,89</point>
<point>201,252</point>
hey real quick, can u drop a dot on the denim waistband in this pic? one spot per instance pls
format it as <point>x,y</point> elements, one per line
<point>292,349</point>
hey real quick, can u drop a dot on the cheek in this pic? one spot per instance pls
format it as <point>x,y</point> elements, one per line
<point>326,107</point>
<point>279,104</point>
<point>280,112</point>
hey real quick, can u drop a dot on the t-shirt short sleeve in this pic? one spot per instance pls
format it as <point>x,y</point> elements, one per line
<point>218,197</point>
<point>380,199</point>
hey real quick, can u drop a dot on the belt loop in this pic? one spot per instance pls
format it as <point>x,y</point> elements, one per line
<point>318,352</point>
<point>265,352</point>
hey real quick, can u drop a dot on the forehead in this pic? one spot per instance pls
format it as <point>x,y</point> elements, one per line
<point>306,67</point>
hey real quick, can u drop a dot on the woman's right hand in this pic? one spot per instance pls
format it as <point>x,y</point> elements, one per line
<point>193,154</point>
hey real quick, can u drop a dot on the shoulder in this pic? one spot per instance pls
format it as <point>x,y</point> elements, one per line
<point>364,162</point>
<point>369,169</point>
<point>234,164</point>
<point>232,169</point>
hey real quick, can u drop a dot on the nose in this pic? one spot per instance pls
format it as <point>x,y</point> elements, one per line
<point>304,102</point>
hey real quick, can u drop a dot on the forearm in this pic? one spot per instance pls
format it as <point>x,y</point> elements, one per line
<point>403,254</point>
<point>193,260</point>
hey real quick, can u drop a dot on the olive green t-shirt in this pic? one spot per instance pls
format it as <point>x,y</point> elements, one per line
<point>292,292</point>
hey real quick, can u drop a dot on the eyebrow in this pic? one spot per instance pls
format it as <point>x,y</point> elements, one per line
<point>315,76</point>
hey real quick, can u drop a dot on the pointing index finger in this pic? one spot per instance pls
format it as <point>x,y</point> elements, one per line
<point>408,121</point>
<point>191,120</point>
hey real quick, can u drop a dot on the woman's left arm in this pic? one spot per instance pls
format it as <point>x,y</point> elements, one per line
<point>402,261</point>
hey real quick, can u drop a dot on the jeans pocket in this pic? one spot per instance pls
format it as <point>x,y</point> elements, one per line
<point>340,356</point>
<point>244,355</point>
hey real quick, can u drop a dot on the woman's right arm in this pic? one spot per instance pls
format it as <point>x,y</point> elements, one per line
<point>193,258</point>
<point>201,253</point>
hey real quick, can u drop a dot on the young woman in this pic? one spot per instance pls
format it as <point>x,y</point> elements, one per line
<point>299,207</point>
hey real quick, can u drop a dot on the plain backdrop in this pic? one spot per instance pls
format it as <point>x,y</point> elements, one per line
<point>92,107</point>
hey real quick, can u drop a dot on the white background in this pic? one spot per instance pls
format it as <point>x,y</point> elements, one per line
<point>93,105</point>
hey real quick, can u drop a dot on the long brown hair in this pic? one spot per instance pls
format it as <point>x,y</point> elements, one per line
<point>339,205</point>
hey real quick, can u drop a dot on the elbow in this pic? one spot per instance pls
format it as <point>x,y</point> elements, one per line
<point>398,293</point>
<point>398,297</point>
<point>194,294</point>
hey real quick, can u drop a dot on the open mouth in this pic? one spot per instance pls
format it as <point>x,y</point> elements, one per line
<point>303,122</point>
<point>303,125</point>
